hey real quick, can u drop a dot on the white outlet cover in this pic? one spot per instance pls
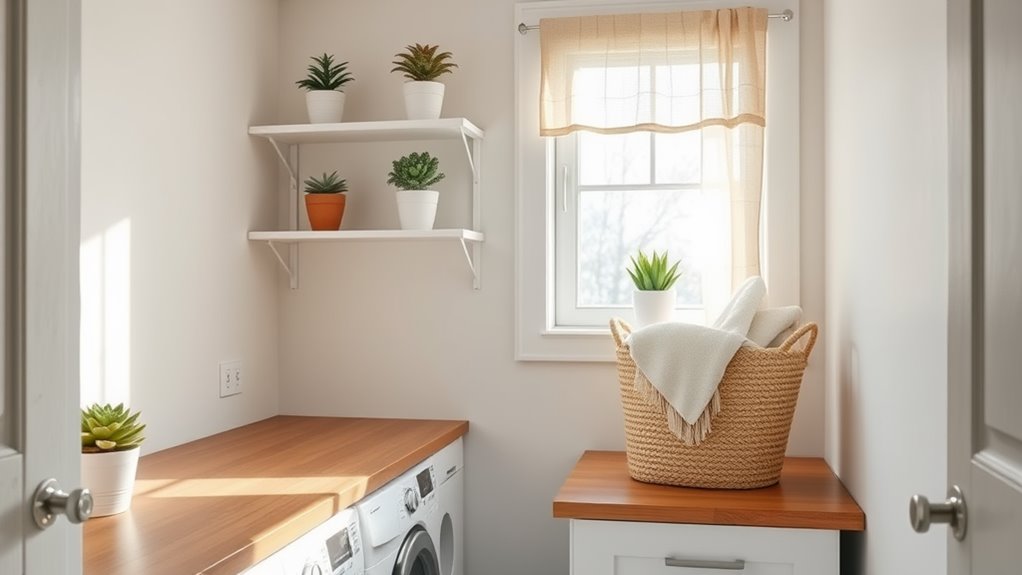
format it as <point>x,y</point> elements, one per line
<point>230,378</point>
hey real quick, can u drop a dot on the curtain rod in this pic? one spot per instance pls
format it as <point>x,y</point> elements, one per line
<point>786,16</point>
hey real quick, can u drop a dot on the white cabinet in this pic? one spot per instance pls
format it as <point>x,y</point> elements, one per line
<point>287,141</point>
<point>638,548</point>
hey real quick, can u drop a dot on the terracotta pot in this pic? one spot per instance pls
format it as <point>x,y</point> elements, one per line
<point>325,211</point>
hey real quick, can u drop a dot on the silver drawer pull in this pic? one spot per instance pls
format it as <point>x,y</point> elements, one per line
<point>736,565</point>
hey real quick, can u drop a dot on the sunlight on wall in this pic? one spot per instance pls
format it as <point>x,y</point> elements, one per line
<point>105,269</point>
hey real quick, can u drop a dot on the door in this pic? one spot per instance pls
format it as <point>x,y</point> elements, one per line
<point>985,298</point>
<point>38,278</point>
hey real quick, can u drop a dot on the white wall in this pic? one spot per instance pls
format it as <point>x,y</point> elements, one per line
<point>171,183</point>
<point>396,330</point>
<point>886,256</point>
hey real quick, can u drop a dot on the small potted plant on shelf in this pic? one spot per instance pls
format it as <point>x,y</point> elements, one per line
<point>654,298</point>
<point>412,175</point>
<point>324,98</point>
<point>422,65</point>
<point>324,201</point>
<point>111,437</point>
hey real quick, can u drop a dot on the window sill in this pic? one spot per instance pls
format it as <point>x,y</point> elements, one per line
<point>577,331</point>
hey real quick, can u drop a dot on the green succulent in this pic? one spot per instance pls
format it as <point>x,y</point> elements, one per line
<point>326,184</point>
<point>106,428</point>
<point>652,273</point>
<point>325,75</point>
<point>421,63</point>
<point>416,171</point>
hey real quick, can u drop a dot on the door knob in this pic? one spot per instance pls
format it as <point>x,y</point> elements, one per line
<point>50,501</point>
<point>952,511</point>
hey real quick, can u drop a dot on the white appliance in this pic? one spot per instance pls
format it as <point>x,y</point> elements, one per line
<point>332,548</point>
<point>412,525</point>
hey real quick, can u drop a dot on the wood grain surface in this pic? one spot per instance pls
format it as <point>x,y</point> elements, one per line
<point>808,496</point>
<point>223,503</point>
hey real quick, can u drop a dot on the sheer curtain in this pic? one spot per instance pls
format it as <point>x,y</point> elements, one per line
<point>670,72</point>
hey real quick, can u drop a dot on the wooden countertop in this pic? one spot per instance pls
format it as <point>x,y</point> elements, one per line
<point>808,496</point>
<point>223,503</point>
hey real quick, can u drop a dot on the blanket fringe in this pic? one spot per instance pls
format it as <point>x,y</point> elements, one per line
<point>689,433</point>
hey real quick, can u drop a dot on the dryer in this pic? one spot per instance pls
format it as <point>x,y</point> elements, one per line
<point>403,522</point>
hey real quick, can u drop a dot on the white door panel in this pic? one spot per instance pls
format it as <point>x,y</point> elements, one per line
<point>38,273</point>
<point>985,298</point>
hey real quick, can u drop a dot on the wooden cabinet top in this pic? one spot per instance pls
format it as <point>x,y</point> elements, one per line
<point>808,496</point>
<point>223,503</point>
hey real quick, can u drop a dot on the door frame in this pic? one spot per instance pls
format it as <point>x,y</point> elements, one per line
<point>965,186</point>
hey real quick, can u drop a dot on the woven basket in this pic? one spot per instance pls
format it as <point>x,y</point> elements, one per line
<point>746,446</point>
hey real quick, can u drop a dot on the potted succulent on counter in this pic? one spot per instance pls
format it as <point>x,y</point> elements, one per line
<point>422,65</point>
<point>324,99</point>
<point>412,175</point>
<point>111,437</point>
<point>324,201</point>
<point>654,298</point>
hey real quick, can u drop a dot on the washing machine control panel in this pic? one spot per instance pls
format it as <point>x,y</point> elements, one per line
<point>333,548</point>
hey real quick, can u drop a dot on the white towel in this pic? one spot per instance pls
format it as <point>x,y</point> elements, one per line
<point>680,365</point>
<point>772,326</point>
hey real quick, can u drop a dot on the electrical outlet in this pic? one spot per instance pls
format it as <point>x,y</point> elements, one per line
<point>230,378</point>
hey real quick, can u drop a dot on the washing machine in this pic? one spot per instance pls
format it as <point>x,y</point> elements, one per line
<point>412,525</point>
<point>332,548</point>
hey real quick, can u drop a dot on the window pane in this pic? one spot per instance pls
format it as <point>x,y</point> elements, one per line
<point>678,158</point>
<point>615,225</point>
<point>613,160</point>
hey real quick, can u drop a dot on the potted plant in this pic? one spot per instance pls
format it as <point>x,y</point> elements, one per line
<point>412,175</point>
<point>422,65</point>
<point>324,99</point>
<point>111,437</point>
<point>324,201</point>
<point>654,298</point>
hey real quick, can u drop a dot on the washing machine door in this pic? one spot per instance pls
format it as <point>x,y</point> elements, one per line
<point>417,555</point>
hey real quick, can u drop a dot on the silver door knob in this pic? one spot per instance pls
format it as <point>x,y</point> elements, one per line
<point>952,511</point>
<point>50,501</point>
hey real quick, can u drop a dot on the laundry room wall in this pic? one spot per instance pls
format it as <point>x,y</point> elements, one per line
<point>395,329</point>
<point>171,184</point>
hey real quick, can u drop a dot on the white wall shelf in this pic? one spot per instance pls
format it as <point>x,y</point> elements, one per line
<point>294,135</point>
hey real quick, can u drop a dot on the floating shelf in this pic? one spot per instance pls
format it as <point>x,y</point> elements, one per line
<point>464,237</point>
<point>303,236</point>
<point>287,140</point>
<point>385,131</point>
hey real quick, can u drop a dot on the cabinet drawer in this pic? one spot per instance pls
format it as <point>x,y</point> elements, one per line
<point>635,548</point>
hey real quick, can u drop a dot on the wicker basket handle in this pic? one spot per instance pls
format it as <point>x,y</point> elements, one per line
<point>809,328</point>
<point>620,330</point>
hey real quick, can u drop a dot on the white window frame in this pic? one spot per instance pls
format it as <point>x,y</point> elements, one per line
<point>537,337</point>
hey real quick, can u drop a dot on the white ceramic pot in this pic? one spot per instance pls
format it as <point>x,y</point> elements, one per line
<point>110,476</point>
<point>417,209</point>
<point>653,306</point>
<point>423,100</point>
<point>325,106</point>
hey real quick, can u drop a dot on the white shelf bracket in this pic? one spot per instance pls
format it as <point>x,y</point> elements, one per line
<point>290,273</point>
<point>471,160</point>
<point>471,264</point>
<point>290,171</point>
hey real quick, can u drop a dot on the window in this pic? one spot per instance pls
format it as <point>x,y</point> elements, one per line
<point>608,195</point>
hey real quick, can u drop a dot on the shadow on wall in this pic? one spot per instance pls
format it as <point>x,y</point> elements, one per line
<point>853,544</point>
<point>105,331</point>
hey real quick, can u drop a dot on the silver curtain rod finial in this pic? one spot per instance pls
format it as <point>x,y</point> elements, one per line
<point>786,16</point>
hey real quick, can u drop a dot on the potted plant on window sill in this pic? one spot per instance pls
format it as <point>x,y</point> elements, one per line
<point>654,298</point>
<point>324,201</point>
<point>111,440</point>
<point>412,175</point>
<point>424,96</point>
<point>324,99</point>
